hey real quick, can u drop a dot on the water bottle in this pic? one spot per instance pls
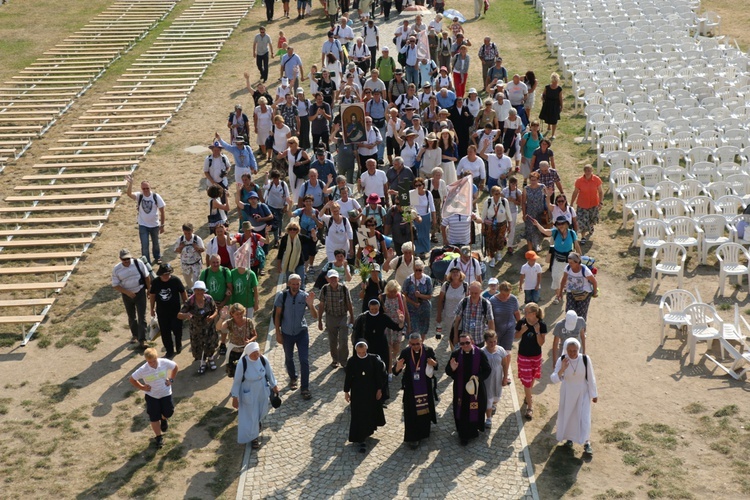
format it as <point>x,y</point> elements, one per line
<point>439,331</point>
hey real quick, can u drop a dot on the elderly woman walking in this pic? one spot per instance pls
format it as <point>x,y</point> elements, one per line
<point>418,293</point>
<point>201,310</point>
<point>251,390</point>
<point>575,372</point>
<point>579,285</point>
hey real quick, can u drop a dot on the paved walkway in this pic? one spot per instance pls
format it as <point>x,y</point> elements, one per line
<point>304,450</point>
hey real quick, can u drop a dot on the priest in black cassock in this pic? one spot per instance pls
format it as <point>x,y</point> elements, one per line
<point>418,364</point>
<point>469,368</point>
<point>366,377</point>
<point>462,120</point>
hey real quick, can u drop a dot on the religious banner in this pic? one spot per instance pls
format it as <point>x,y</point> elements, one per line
<point>459,198</point>
<point>423,46</point>
<point>243,256</point>
<point>353,122</point>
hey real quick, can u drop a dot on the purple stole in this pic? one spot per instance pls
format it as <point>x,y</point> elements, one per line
<point>421,401</point>
<point>473,400</point>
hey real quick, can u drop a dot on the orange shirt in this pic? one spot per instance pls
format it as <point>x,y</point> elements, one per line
<point>588,191</point>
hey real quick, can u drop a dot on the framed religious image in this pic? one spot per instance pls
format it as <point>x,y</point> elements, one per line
<point>353,122</point>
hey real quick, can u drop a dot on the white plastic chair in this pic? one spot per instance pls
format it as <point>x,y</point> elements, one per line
<point>699,154</point>
<point>704,326</point>
<point>741,185</point>
<point>669,259</point>
<point>686,232</point>
<point>714,228</point>
<point>732,334</point>
<point>676,173</point>
<point>690,188</point>
<point>629,194</point>
<point>672,156</point>
<point>731,205</point>
<point>702,205</point>
<point>604,146</point>
<point>674,207</point>
<point>704,172</point>
<point>725,154</point>
<point>650,176</point>
<point>643,210</point>
<point>729,256</point>
<point>620,177</point>
<point>672,310</point>
<point>718,189</point>
<point>666,189</point>
<point>737,137</point>
<point>652,233</point>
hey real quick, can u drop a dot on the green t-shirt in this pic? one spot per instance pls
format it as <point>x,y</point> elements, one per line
<point>243,287</point>
<point>216,282</point>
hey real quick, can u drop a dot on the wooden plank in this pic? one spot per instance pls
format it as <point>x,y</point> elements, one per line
<point>17,320</point>
<point>136,105</point>
<point>8,271</point>
<point>97,114</point>
<point>63,186</point>
<point>49,232</point>
<point>87,133</point>
<point>52,242</point>
<point>12,287</point>
<point>5,257</point>
<point>114,125</point>
<point>11,119</point>
<point>57,208</point>
<point>24,104</point>
<point>7,112</point>
<point>63,197</point>
<point>54,220</point>
<point>27,302</point>
<point>106,139</point>
<point>102,146</point>
<point>91,155</point>
<point>86,164</point>
<point>30,128</point>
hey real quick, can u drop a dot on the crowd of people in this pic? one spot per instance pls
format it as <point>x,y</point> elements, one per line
<point>370,191</point>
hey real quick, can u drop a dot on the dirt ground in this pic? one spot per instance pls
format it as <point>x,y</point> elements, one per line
<point>661,428</point>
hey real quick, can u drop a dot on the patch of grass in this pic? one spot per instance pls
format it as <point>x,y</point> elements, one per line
<point>9,339</point>
<point>43,341</point>
<point>723,446</point>
<point>724,307</point>
<point>57,393</point>
<point>640,291</point>
<point>727,411</point>
<point>4,405</point>
<point>614,494</point>
<point>84,334</point>
<point>659,435</point>
<point>694,408</point>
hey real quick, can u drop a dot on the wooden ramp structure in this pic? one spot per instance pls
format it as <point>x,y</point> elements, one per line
<point>31,101</point>
<point>57,212</point>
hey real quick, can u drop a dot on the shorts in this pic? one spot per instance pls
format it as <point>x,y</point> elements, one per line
<point>531,296</point>
<point>157,408</point>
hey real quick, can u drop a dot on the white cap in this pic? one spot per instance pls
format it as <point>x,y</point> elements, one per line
<point>332,273</point>
<point>384,49</point>
<point>493,281</point>
<point>473,91</point>
<point>571,320</point>
<point>285,81</point>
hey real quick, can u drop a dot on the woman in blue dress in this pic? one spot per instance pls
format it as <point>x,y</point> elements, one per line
<point>251,390</point>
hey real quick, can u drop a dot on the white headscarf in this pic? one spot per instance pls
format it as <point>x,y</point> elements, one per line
<point>251,348</point>
<point>571,340</point>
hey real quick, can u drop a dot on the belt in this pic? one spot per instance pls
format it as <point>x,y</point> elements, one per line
<point>193,263</point>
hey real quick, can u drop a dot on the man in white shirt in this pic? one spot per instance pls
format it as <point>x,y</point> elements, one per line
<point>410,68</point>
<point>158,375</point>
<point>150,217</point>
<point>374,82</point>
<point>468,265</point>
<point>456,229</point>
<point>473,164</point>
<point>403,265</point>
<point>216,167</point>
<point>499,167</point>
<point>517,93</point>
<point>369,148</point>
<point>372,39</point>
<point>344,34</point>
<point>131,278</point>
<point>501,105</point>
<point>374,181</point>
<point>360,54</point>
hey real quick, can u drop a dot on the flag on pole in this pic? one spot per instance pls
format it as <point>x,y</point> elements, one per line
<point>423,46</point>
<point>459,198</point>
<point>243,257</point>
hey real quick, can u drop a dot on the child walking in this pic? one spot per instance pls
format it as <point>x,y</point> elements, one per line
<point>500,376</point>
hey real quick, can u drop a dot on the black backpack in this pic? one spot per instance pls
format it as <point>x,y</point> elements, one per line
<point>300,171</point>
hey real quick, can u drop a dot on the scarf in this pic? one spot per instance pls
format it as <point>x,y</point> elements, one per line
<point>473,400</point>
<point>292,254</point>
<point>421,401</point>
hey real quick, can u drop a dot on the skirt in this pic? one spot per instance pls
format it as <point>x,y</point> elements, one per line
<point>587,218</point>
<point>494,237</point>
<point>423,234</point>
<point>529,368</point>
<point>581,307</point>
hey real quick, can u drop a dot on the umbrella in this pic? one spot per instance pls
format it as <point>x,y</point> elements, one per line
<point>453,13</point>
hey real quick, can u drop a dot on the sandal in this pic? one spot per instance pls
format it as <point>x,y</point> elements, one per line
<point>306,394</point>
<point>293,384</point>
<point>212,364</point>
<point>255,444</point>
<point>529,413</point>
<point>201,369</point>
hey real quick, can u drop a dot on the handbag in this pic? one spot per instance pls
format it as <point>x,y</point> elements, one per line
<point>580,296</point>
<point>269,141</point>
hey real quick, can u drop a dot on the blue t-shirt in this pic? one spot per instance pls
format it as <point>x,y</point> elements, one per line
<point>306,222</point>
<point>315,191</point>
<point>262,210</point>
<point>563,245</point>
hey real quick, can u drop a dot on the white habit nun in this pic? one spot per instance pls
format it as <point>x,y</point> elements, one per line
<point>250,393</point>
<point>575,372</point>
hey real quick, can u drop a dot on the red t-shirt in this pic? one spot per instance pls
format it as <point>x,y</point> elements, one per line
<point>588,191</point>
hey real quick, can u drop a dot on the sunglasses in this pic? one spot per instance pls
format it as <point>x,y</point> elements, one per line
<point>418,270</point>
<point>561,201</point>
<point>292,229</point>
<point>418,185</point>
<point>464,343</point>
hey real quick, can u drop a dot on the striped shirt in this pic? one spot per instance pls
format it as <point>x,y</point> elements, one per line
<point>459,229</point>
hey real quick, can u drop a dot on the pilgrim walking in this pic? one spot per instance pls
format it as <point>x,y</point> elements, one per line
<point>363,389</point>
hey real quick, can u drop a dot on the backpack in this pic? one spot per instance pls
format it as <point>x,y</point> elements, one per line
<point>140,199</point>
<point>390,62</point>
<point>300,170</point>
<point>365,29</point>
<point>585,365</point>
<point>260,256</point>
<point>467,300</point>
<point>223,159</point>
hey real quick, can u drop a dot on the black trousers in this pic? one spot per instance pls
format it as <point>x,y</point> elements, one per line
<point>168,326</point>
<point>136,310</point>
<point>269,9</point>
<point>262,63</point>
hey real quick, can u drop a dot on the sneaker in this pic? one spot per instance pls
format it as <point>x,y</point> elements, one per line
<point>488,423</point>
<point>159,441</point>
<point>569,443</point>
<point>492,262</point>
<point>583,241</point>
<point>555,301</point>
<point>587,449</point>
<point>164,425</point>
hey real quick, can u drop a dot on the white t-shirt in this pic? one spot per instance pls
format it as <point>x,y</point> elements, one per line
<point>502,110</point>
<point>488,210</point>
<point>348,205</point>
<point>372,136</point>
<point>404,270</point>
<point>424,204</point>
<point>476,167</point>
<point>156,377</point>
<point>373,183</point>
<point>370,35</point>
<point>148,210</point>
<point>512,195</point>
<point>530,275</point>
<point>214,166</point>
<point>516,93</point>
<point>569,214</point>
<point>499,166</point>
<point>279,138</point>
<point>339,234</point>
<point>472,270</point>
